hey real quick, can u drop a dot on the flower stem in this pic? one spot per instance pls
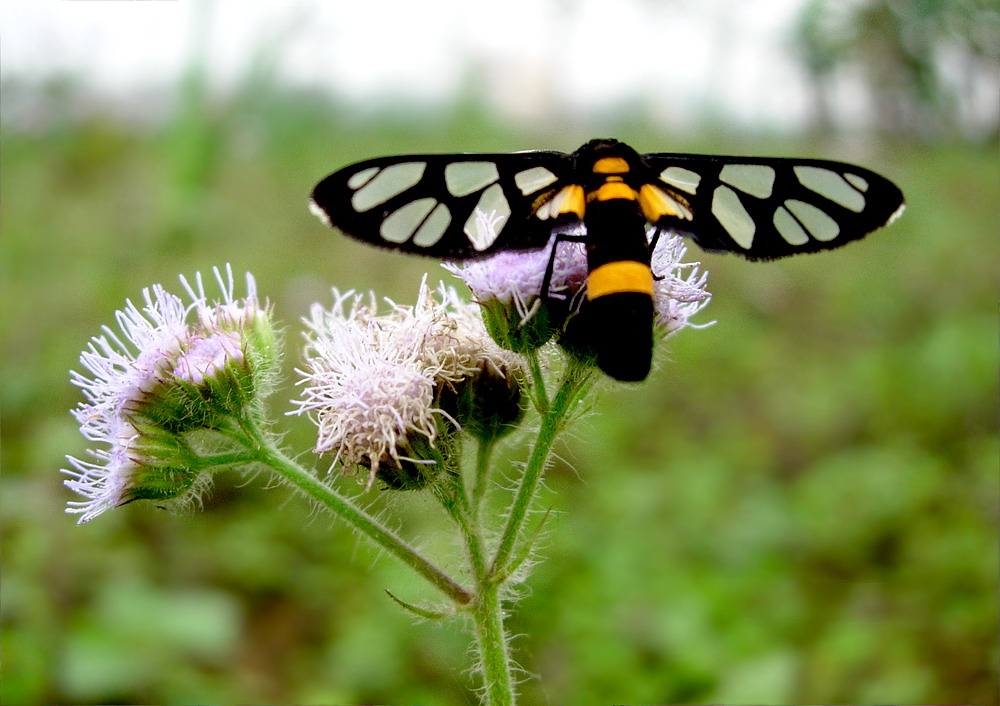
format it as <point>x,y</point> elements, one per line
<point>486,609</point>
<point>576,379</point>
<point>494,653</point>
<point>361,521</point>
<point>482,479</point>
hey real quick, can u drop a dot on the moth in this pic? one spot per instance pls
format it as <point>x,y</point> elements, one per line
<point>618,202</point>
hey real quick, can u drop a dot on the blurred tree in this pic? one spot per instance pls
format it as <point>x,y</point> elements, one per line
<point>928,66</point>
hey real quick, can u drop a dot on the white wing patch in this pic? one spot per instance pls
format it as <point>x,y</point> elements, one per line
<point>818,224</point>
<point>399,226</point>
<point>434,227</point>
<point>858,182</point>
<point>531,180</point>
<point>463,178</point>
<point>754,179</point>
<point>728,209</point>
<point>361,178</point>
<point>681,178</point>
<point>493,202</point>
<point>388,182</point>
<point>832,186</point>
<point>789,228</point>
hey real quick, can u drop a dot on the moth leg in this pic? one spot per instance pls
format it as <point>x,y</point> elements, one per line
<point>657,232</point>
<point>559,238</point>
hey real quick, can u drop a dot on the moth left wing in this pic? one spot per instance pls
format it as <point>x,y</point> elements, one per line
<point>765,208</point>
<point>427,204</point>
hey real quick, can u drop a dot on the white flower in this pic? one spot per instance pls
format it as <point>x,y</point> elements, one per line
<point>518,277</point>
<point>372,380</point>
<point>509,286</point>
<point>135,400</point>
<point>680,292</point>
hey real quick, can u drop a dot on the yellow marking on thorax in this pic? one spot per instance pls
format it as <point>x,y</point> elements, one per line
<point>610,165</point>
<point>621,276</point>
<point>572,200</point>
<point>611,190</point>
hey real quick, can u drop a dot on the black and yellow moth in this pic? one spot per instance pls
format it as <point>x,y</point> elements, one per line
<point>611,197</point>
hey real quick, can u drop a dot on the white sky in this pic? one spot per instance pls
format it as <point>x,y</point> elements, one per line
<point>523,55</point>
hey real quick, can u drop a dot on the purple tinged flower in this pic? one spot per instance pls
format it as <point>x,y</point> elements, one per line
<point>208,357</point>
<point>508,285</point>
<point>516,278</point>
<point>153,380</point>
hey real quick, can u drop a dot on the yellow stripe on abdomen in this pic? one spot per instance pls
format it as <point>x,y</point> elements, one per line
<point>620,276</point>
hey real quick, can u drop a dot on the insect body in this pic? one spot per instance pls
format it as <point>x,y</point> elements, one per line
<point>610,196</point>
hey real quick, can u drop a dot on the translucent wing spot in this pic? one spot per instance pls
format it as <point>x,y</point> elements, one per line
<point>531,180</point>
<point>464,178</point>
<point>819,224</point>
<point>492,202</point>
<point>789,228</point>
<point>726,207</point>
<point>389,182</point>
<point>832,186</point>
<point>681,178</point>
<point>399,226</point>
<point>361,178</point>
<point>754,179</point>
<point>858,182</point>
<point>433,228</point>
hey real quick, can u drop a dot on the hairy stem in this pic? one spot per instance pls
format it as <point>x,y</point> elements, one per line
<point>486,609</point>
<point>494,652</point>
<point>576,379</point>
<point>364,523</point>
<point>483,455</point>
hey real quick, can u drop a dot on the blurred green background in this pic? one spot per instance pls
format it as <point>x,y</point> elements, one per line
<point>800,505</point>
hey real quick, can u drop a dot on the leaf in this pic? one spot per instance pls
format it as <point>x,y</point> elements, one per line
<point>424,613</point>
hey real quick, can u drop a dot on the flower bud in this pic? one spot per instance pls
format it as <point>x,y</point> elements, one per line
<point>488,405</point>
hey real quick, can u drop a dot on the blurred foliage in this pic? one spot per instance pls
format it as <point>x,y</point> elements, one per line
<point>919,61</point>
<point>799,505</point>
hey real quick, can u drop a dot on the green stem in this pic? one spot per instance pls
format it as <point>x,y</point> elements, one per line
<point>575,380</point>
<point>483,455</point>
<point>361,521</point>
<point>486,609</point>
<point>487,614</point>
<point>541,399</point>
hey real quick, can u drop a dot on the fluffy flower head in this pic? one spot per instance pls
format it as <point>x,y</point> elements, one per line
<point>157,377</point>
<point>373,381</point>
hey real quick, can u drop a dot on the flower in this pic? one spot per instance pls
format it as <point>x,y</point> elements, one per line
<point>680,291</point>
<point>509,287</point>
<point>159,379</point>
<point>374,384</point>
<point>518,277</point>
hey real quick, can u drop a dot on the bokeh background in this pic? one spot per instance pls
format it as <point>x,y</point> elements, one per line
<point>800,505</point>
